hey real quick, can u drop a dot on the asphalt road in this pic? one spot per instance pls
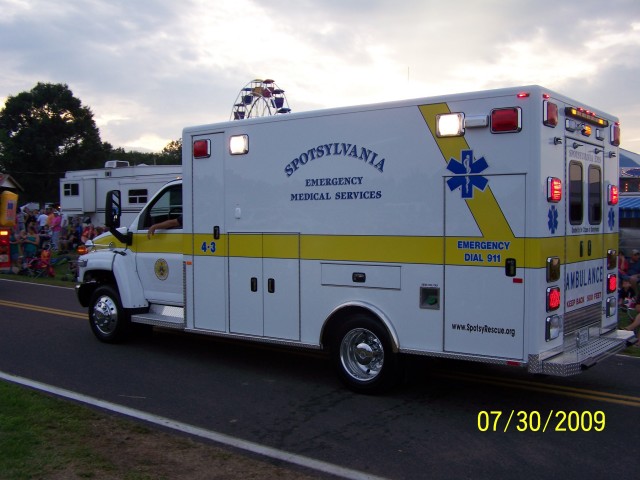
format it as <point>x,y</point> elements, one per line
<point>448,420</point>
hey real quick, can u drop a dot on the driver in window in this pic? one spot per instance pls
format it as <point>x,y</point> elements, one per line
<point>171,223</point>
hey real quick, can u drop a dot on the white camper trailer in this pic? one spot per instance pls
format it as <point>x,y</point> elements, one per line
<point>82,192</point>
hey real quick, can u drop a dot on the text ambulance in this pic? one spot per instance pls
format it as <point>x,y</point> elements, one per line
<point>478,226</point>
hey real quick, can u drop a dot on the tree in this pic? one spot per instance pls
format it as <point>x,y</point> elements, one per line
<point>44,133</point>
<point>172,153</point>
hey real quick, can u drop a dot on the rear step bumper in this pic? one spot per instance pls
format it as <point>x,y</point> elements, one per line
<point>574,361</point>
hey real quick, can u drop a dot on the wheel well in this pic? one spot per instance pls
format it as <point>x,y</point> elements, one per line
<point>339,315</point>
<point>92,280</point>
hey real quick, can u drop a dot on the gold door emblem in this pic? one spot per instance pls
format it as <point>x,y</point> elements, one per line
<point>161,268</point>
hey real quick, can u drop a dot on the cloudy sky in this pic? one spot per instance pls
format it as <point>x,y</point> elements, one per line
<point>148,68</point>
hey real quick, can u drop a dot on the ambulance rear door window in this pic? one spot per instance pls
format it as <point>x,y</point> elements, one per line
<point>576,202</point>
<point>595,195</point>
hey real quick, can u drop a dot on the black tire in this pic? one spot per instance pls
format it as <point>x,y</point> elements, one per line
<point>363,355</point>
<point>109,322</point>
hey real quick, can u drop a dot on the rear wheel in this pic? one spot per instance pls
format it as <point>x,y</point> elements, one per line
<point>108,320</point>
<point>364,356</point>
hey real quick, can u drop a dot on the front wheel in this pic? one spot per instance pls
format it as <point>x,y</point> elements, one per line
<point>364,356</point>
<point>108,320</point>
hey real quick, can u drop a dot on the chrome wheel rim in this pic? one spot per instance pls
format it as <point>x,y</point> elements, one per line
<point>362,354</point>
<point>105,315</point>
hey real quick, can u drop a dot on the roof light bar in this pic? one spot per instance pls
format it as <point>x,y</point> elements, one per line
<point>586,115</point>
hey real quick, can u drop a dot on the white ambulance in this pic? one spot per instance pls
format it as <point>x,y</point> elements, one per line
<point>479,226</point>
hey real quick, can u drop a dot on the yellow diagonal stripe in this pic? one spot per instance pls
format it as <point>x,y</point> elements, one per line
<point>484,206</point>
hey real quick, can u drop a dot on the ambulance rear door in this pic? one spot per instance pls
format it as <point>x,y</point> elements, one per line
<point>584,248</point>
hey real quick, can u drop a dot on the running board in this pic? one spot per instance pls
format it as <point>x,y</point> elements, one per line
<point>162,316</point>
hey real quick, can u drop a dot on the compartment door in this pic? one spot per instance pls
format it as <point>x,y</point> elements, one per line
<point>484,271</point>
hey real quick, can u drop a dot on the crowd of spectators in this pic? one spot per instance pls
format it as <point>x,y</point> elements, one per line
<point>629,294</point>
<point>46,230</point>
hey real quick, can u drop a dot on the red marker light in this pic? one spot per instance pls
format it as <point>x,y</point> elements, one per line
<point>549,114</point>
<point>201,148</point>
<point>505,120</point>
<point>614,195</point>
<point>615,134</point>
<point>554,189</point>
<point>612,283</point>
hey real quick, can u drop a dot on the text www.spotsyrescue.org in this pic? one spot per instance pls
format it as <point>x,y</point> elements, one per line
<point>482,329</point>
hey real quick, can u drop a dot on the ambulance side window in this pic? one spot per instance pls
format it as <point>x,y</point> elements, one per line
<point>576,201</point>
<point>595,195</point>
<point>166,206</point>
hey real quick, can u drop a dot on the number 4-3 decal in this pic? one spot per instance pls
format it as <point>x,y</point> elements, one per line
<point>208,247</point>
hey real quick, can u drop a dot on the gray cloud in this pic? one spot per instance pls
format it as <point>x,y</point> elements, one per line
<point>149,68</point>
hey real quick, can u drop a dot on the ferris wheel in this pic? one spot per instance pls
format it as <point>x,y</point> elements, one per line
<point>259,98</point>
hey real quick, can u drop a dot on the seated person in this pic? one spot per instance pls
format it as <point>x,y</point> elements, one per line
<point>626,295</point>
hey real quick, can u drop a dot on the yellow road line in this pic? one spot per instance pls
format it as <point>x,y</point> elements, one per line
<point>628,400</point>
<point>36,308</point>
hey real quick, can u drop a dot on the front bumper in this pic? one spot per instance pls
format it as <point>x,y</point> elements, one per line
<point>572,362</point>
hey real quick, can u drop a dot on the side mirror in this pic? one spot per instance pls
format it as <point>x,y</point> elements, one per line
<point>112,209</point>
<point>112,212</point>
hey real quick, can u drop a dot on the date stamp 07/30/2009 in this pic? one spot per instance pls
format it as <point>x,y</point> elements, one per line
<point>535,421</point>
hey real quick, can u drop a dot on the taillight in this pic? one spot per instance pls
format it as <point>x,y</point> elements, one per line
<point>612,282</point>
<point>613,195</point>
<point>615,134</point>
<point>553,298</point>
<point>201,149</point>
<point>553,328</point>
<point>554,189</point>
<point>506,120</point>
<point>549,114</point>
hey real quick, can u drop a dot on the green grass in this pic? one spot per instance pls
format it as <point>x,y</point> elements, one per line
<point>41,435</point>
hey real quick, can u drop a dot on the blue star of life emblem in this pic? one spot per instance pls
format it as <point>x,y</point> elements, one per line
<point>468,170</point>
<point>612,219</point>
<point>553,219</point>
